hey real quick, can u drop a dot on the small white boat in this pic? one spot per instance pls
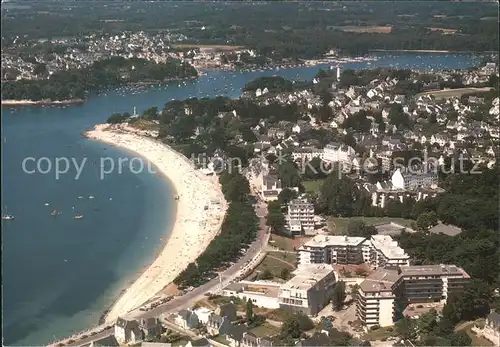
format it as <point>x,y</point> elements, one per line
<point>7,216</point>
<point>78,217</point>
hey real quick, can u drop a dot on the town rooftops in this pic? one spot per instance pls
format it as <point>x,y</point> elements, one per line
<point>433,270</point>
<point>334,240</point>
<point>127,324</point>
<point>381,280</point>
<point>307,275</point>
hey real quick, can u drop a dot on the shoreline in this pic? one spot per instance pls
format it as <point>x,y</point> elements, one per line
<point>196,222</point>
<point>11,102</point>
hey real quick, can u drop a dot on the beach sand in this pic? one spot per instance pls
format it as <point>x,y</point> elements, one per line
<point>194,227</point>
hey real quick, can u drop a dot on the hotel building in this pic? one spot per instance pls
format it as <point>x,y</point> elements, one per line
<point>384,291</point>
<point>309,291</point>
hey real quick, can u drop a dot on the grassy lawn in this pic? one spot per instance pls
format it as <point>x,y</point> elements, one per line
<point>265,330</point>
<point>450,93</point>
<point>380,334</point>
<point>288,257</point>
<point>313,186</point>
<point>281,242</point>
<point>338,226</point>
<point>273,265</point>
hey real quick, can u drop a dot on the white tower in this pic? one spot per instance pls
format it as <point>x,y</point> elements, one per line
<point>338,73</point>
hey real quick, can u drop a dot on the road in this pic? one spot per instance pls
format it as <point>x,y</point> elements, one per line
<point>90,338</point>
<point>190,298</point>
<point>213,286</point>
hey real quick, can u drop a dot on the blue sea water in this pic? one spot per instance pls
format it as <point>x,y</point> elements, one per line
<point>59,274</point>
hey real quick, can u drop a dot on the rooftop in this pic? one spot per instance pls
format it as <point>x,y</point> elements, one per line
<point>300,203</point>
<point>307,275</point>
<point>381,280</point>
<point>388,247</point>
<point>330,240</point>
<point>432,270</point>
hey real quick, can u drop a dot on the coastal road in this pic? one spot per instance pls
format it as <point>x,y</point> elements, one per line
<point>190,298</point>
<point>90,338</point>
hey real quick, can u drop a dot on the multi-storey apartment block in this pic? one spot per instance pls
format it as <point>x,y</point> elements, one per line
<point>330,249</point>
<point>383,292</point>
<point>301,210</point>
<point>430,283</point>
<point>375,299</point>
<point>379,251</point>
<point>309,290</point>
<point>387,253</point>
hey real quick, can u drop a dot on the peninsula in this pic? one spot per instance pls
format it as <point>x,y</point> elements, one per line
<point>200,211</point>
<point>72,86</point>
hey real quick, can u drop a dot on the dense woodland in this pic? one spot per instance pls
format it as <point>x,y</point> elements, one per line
<point>103,74</point>
<point>274,29</point>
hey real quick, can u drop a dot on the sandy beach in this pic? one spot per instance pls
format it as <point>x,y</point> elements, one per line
<point>200,212</point>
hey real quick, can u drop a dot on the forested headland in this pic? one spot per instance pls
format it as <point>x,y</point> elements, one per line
<point>102,74</point>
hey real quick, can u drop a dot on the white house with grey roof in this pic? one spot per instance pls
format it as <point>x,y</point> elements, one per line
<point>271,187</point>
<point>127,331</point>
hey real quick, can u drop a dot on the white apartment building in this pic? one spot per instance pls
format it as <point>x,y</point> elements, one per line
<point>310,289</point>
<point>270,187</point>
<point>329,249</point>
<point>375,299</point>
<point>379,251</point>
<point>337,152</point>
<point>301,210</point>
<point>383,295</point>
<point>387,253</point>
<point>306,154</point>
<point>404,179</point>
